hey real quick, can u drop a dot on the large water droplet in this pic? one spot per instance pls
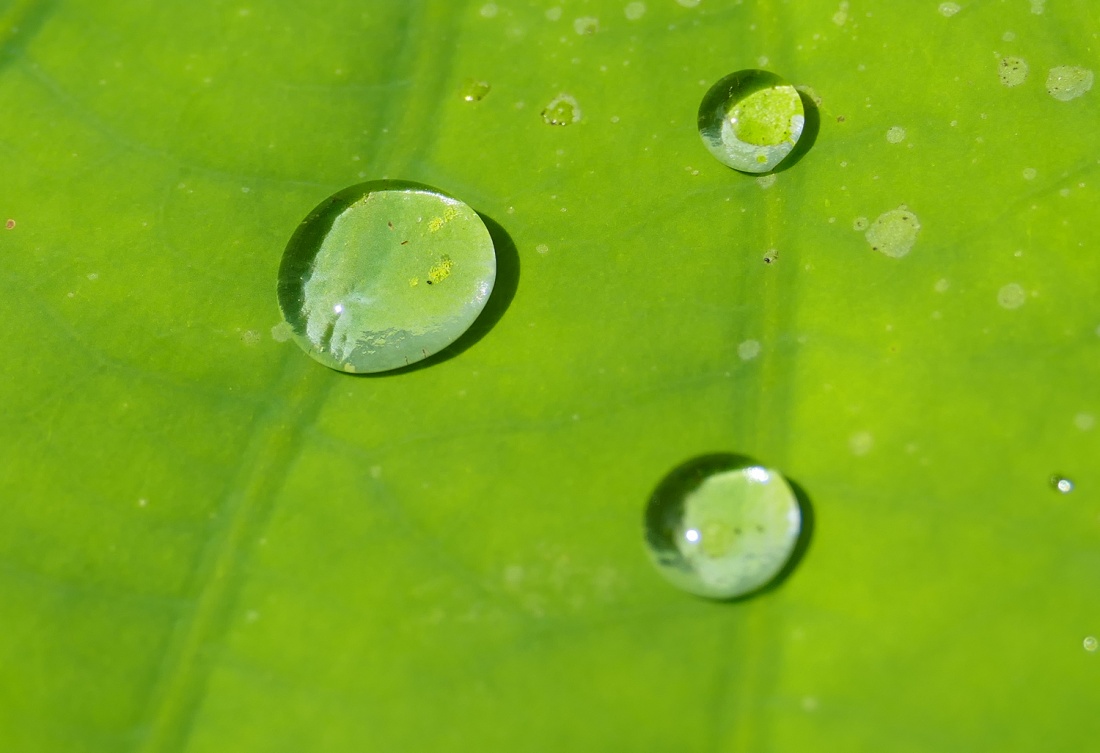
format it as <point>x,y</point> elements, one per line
<point>384,274</point>
<point>751,120</point>
<point>719,526</point>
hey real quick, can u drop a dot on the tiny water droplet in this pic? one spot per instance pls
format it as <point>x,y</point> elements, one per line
<point>1011,296</point>
<point>894,232</point>
<point>474,90</point>
<point>720,526</point>
<point>895,135</point>
<point>1091,644</point>
<point>634,11</point>
<point>586,25</point>
<point>344,282</point>
<point>751,120</point>
<point>1012,71</point>
<point>949,9</point>
<point>562,110</point>
<point>1061,484</point>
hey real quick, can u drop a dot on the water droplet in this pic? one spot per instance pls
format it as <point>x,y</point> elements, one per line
<point>562,110</point>
<point>1084,421</point>
<point>1030,173</point>
<point>1061,484</point>
<point>1037,6</point>
<point>771,256</point>
<point>1013,71</point>
<point>489,10</point>
<point>719,526</point>
<point>634,11</point>
<point>859,224</point>
<point>688,3</point>
<point>841,16</point>
<point>1011,296</point>
<point>748,350</point>
<point>1009,36</point>
<point>474,90</point>
<point>894,232</point>
<point>350,280</point>
<point>553,14</point>
<point>586,25</point>
<point>1067,82</point>
<point>949,9</point>
<point>942,285</point>
<point>751,120</point>
<point>1091,644</point>
<point>895,135</point>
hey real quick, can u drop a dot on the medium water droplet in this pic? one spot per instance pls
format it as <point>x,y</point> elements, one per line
<point>474,90</point>
<point>719,526</point>
<point>384,274</point>
<point>1061,484</point>
<point>562,110</point>
<point>1066,82</point>
<point>751,120</point>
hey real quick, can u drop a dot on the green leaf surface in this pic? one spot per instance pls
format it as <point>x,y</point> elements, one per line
<point>209,542</point>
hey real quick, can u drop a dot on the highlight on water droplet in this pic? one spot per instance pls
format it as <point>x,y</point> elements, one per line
<point>474,90</point>
<point>1012,71</point>
<point>1061,484</point>
<point>563,110</point>
<point>751,120</point>
<point>1066,82</point>
<point>721,526</point>
<point>384,274</point>
<point>894,232</point>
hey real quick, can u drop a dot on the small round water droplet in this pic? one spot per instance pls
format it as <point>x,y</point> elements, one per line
<point>719,526</point>
<point>949,9</point>
<point>1066,82</point>
<point>634,11</point>
<point>1091,644</point>
<point>474,90</point>
<point>562,110</point>
<point>1061,484</point>
<point>384,274</point>
<point>751,120</point>
<point>586,25</point>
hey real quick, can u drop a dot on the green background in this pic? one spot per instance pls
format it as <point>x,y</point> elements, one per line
<point>209,542</point>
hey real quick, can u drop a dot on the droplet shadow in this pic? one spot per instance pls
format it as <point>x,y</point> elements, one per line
<point>806,141</point>
<point>504,290</point>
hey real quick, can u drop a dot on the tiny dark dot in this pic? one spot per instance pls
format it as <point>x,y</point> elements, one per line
<point>760,528</point>
<point>404,243</point>
<point>428,281</point>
